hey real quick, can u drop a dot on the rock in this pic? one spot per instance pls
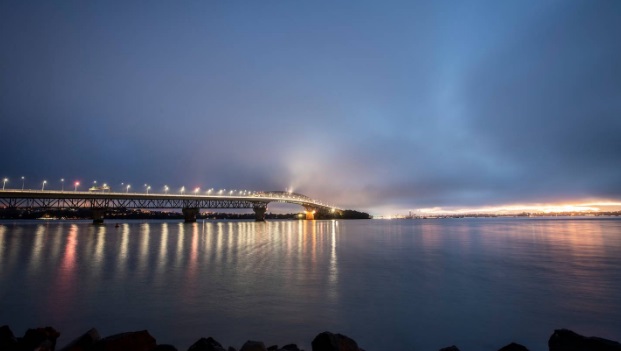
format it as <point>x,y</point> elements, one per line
<point>7,339</point>
<point>272,348</point>
<point>84,342</point>
<point>165,347</point>
<point>567,340</point>
<point>209,344</point>
<point>514,347</point>
<point>134,341</point>
<point>327,341</point>
<point>290,347</point>
<point>231,348</point>
<point>450,348</point>
<point>253,346</point>
<point>40,339</point>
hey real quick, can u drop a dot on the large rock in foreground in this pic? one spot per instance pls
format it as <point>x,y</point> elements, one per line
<point>84,342</point>
<point>514,347</point>
<point>208,344</point>
<point>134,341</point>
<point>8,341</point>
<point>327,341</point>
<point>567,340</point>
<point>251,345</point>
<point>39,339</point>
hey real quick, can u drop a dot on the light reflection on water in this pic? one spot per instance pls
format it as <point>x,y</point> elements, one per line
<point>403,285</point>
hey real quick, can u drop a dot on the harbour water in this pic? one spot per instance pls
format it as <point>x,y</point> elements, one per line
<point>390,285</point>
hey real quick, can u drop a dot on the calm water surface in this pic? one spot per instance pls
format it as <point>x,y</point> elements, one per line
<point>398,285</point>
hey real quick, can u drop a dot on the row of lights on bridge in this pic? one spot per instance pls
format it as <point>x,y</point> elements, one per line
<point>43,184</point>
<point>147,188</point>
<point>126,188</point>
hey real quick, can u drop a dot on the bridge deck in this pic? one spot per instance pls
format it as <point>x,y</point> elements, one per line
<point>87,199</point>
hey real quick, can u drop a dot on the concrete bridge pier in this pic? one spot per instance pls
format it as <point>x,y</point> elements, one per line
<point>259,212</point>
<point>98,215</point>
<point>310,212</point>
<point>190,213</point>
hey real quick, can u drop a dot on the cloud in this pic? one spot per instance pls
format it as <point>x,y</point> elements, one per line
<point>368,106</point>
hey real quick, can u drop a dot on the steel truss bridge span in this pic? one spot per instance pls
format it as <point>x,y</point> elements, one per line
<point>190,204</point>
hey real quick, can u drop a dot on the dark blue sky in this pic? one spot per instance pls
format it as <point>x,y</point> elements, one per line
<point>372,105</point>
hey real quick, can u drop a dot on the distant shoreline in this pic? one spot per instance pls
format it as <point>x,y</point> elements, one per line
<point>514,215</point>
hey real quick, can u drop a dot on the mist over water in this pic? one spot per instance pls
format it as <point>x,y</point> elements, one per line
<point>402,285</point>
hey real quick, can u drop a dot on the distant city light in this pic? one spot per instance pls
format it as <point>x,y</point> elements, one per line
<point>523,208</point>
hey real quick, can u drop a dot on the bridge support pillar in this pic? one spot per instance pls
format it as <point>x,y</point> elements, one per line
<point>98,215</point>
<point>190,213</point>
<point>259,212</point>
<point>310,212</point>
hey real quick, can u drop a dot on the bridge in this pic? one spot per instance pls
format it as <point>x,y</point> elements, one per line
<point>190,204</point>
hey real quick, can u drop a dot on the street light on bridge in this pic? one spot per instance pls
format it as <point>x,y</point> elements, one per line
<point>75,186</point>
<point>62,184</point>
<point>148,187</point>
<point>4,182</point>
<point>165,189</point>
<point>43,186</point>
<point>127,188</point>
<point>182,190</point>
<point>196,190</point>
<point>23,183</point>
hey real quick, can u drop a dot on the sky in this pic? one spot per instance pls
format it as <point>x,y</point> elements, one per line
<point>380,106</point>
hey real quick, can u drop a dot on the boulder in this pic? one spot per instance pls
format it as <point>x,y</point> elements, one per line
<point>290,347</point>
<point>40,339</point>
<point>231,348</point>
<point>514,347</point>
<point>84,342</point>
<point>7,339</point>
<point>327,341</point>
<point>450,348</point>
<point>272,348</point>
<point>134,341</point>
<point>567,340</point>
<point>251,345</point>
<point>209,344</point>
<point>165,347</point>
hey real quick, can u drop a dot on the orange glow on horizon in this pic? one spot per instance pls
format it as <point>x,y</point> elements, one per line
<point>578,206</point>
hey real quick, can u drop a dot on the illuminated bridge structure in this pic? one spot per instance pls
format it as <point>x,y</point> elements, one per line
<point>190,204</point>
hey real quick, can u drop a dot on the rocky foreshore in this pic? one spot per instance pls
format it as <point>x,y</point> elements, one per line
<point>44,339</point>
